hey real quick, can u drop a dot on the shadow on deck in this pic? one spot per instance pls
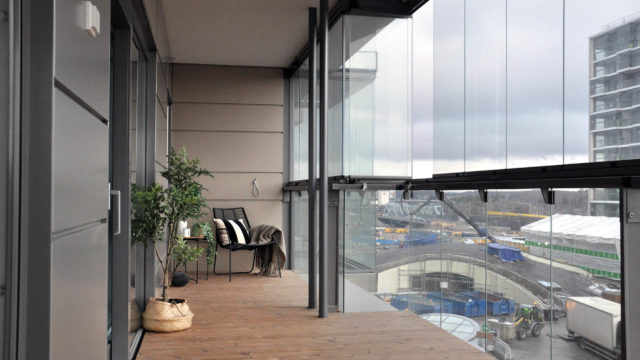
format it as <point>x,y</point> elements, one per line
<point>257,317</point>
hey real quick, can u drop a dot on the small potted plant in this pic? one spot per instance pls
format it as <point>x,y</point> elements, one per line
<point>154,210</point>
<point>203,229</point>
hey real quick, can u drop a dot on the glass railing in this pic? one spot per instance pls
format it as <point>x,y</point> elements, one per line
<point>513,276</point>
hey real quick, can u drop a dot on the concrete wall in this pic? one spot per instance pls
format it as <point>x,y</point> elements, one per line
<point>397,279</point>
<point>232,119</point>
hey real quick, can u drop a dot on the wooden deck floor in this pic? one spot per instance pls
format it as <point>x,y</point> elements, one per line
<point>266,318</point>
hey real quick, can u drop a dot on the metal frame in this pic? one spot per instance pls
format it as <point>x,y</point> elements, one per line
<point>36,177</point>
<point>379,8</point>
<point>253,263</point>
<point>229,247</point>
<point>313,39</point>
<point>10,340</point>
<point>150,163</point>
<point>120,133</point>
<point>629,248</point>
<point>324,179</point>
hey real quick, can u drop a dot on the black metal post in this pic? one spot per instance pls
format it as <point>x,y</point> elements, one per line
<point>324,179</point>
<point>313,40</point>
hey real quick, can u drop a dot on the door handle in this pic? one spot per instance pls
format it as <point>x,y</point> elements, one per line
<point>116,193</point>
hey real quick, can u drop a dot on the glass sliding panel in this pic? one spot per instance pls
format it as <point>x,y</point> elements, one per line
<point>485,85</point>
<point>423,56</point>
<point>294,113</point>
<point>461,291</point>
<point>377,85</point>
<point>586,273</point>
<point>136,171</point>
<point>534,83</point>
<point>518,272</point>
<point>303,100</point>
<point>602,59</point>
<point>335,98</point>
<point>359,252</point>
<point>449,86</point>
<point>300,226</point>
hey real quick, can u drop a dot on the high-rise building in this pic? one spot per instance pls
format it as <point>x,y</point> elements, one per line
<point>614,127</point>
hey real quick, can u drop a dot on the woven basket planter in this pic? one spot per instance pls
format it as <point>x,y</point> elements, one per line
<point>163,316</point>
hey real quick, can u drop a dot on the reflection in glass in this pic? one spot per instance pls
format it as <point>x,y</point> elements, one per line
<point>377,99</point>
<point>136,263</point>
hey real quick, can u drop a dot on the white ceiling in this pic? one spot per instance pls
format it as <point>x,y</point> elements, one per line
<point>237,32</point>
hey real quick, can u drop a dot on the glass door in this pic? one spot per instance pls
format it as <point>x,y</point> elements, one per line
<point>136,176</point>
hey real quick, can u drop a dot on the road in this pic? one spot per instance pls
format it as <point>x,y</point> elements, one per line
<point>572,283</point>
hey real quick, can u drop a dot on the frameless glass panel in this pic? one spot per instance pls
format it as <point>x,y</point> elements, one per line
<point>422,138</point>
<point>461,291</point>
<point>300,233</point>
<point>375,240</point>
<point>377,98</point>
<point>534,83</point>
<point>485,85</point>
<point>602,62</point>
<point>294,114</point>
<point>449,86</point>
<point>585,250</point>
<point>303,100</point>
<point>518,272</point>
<point>359,251</point>
<point>335,98</point>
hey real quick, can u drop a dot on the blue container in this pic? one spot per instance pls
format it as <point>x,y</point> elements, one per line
<point>482,308</point>
<point>461,305</point>
<point>420,305</point>
<point>496,305</point>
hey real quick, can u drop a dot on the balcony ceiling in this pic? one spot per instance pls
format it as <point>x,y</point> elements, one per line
<point>237,32</point>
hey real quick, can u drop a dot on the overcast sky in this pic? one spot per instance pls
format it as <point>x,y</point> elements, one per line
<point>510,71</point>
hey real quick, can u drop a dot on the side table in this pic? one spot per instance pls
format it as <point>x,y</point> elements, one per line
<point>197,240</point>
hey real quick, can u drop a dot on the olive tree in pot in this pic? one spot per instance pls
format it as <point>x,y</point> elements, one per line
<point>155,210</point>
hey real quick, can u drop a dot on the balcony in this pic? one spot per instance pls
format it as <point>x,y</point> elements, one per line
<point>267,318</point>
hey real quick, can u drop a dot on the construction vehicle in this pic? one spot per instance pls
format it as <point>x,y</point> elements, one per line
<point>529,319</point>
<point>596,325</point>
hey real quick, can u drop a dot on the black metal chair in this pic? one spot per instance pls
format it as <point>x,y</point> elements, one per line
<point>237,214</point>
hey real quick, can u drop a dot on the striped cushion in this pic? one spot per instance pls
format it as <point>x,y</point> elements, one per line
<point>232,231</point>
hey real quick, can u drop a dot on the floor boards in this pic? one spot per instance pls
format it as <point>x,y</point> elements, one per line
<point>256,317</point>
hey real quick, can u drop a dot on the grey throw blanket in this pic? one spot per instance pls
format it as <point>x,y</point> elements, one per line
<point>266,255</point>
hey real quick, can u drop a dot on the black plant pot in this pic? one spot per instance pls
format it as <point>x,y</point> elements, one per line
<point>179,279</point>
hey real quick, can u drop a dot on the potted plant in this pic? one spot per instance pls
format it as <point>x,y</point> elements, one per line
<point>203,229</point>
<point>154,210</point>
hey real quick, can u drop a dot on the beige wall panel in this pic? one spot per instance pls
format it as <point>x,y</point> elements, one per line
<point>258,212</point>
<point>223,117</point>
<point>231,186</point>
<point>226,84</point>
<point>233,152</point>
